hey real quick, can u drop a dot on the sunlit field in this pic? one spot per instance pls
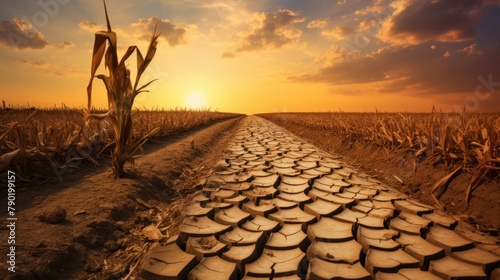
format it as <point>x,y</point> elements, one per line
<point>230,139</point>
<point>53,139</point>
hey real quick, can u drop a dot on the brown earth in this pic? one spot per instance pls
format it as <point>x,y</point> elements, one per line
<point>91,226</point>
<point>418,176</point>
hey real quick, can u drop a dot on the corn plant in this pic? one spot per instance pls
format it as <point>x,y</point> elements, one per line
<point>121,92</point>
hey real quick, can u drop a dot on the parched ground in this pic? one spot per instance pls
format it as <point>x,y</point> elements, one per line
<point>102,234</point>
<point>112,227</point>
<point>279,207</point>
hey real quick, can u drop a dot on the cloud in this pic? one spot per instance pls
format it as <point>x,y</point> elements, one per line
<point>339,32</point>
<point>174,34</point>
<point>69,73</point>
<point>368,26</point>
<point>91,26</point>
<point>36,64</point>
<point>51,69</point>
<point>378,7</point>
<point>415,22</point>
<point>471,50</point>
<point>335,55</point>
<point>64,45</point>
<point>269,30</point>
<point>229,12</point>
<point>409,69</point>
<point>228,54</point>
<point>318,23</point>
<point>18,34</point>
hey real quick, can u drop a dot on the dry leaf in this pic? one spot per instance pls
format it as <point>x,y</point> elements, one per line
<point>442,183</point>
<point>151,232</point>
<point>6,158</point>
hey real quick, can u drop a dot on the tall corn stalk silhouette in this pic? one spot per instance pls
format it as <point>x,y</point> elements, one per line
<point>121,92</point>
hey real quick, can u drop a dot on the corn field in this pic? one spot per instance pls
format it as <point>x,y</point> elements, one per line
<point>470,142</point>
<point>39,142</point>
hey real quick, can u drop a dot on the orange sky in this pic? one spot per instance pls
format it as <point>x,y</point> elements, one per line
<point>263,56</point>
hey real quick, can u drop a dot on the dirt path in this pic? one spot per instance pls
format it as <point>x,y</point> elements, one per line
<point>92,223</point>
<point>280,208</point>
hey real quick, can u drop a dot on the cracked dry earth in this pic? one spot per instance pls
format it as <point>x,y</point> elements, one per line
<point>280,208</point>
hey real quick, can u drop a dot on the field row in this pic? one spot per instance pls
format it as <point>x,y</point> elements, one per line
<point>41,141</point>
<point>470,142</point>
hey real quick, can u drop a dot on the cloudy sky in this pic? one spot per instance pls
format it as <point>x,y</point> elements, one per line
<point>263,56</point>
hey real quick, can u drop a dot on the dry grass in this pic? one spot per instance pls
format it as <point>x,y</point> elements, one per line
<point>469,141</point>
<point>41,142</point>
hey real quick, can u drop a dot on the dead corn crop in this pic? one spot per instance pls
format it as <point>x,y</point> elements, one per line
<point>468,141</point>
<point>41,143</point>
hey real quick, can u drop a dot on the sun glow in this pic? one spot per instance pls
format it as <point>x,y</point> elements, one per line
<point>195,100</point>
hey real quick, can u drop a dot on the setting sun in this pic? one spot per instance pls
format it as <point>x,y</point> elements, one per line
<point>195,100</point>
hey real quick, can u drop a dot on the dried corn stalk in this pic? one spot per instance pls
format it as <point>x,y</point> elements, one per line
<point>121,91</point>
